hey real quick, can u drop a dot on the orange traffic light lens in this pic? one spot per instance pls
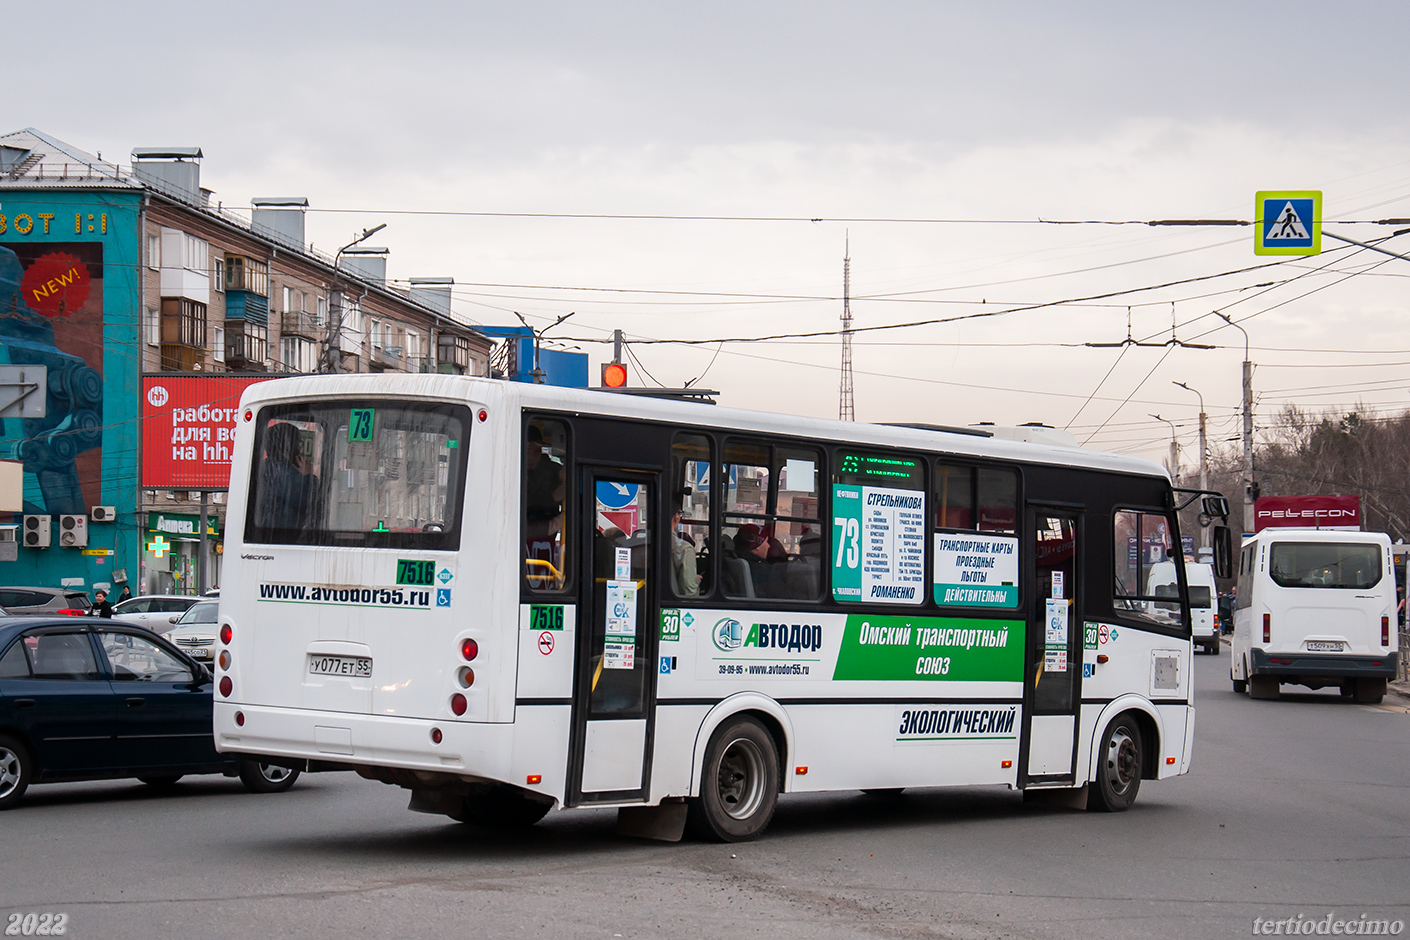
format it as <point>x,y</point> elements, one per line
<point>614,375</point>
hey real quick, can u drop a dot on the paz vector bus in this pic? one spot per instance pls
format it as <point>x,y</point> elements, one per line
<point>508,598</point>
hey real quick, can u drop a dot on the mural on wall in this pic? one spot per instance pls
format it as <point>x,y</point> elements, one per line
<point>51,314</point>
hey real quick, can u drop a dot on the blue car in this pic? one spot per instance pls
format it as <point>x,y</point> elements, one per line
<point>92,699</point>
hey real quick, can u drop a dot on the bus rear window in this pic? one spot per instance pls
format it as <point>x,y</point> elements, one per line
<point>1199,597</point>
<point>368,473</point>
<point>1325,565</point>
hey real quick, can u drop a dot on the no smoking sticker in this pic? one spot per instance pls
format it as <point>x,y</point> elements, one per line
<point>545,643</point>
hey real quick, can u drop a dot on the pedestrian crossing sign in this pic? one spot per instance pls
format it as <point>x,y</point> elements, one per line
<point>1288,222</point>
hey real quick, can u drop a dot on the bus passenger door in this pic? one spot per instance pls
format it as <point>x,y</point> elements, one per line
<point>615,688</point>
<point>1052,693</point>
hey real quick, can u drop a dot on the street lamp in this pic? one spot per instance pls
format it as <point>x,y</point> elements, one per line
<point>1203,452</point>
<point>332,353</point>
<point>1248,425</point>
<point>1174,448</point>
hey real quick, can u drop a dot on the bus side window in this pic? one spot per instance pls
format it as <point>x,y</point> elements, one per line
<point>545,468</point>
<point>1144,568</point>
<point>690,519</point>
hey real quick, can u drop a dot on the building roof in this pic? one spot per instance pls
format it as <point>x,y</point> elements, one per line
<point>31,159</point>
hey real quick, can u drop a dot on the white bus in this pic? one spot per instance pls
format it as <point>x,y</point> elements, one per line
<point>1315,608</point>
<point>509,597</point>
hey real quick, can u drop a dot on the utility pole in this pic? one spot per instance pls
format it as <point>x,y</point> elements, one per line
<point>1203,456</point>
<point>1174,448</point>
<point>333,348</point>
<point>1248,428</point>
<point>846,406</point>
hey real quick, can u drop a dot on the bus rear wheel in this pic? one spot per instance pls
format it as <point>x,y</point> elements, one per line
<point>1263,687</point>
<point>502,808</point>
<point>1118,767</point>
<point>738,785</point>
<point>1370,691</point>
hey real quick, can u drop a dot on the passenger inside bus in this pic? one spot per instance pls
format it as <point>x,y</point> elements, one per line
<point>286,487</point>
<point>683,560</point>
<point>543,512</point>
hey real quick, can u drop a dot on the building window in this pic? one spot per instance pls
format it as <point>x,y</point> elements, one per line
<point>154,326</point>
<point>219,279</point>
<point>246,274</point>
<point>322,311</point>
<point>374,333</point>
<point>219,351</point>
<point>246,343</point>
<point>299,354</point>
<point>154,252</point>
<point>183,322</point>
<point>196,254</point>
<point>288,299</point>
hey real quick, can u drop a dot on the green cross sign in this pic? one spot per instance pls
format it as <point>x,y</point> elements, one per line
<point>159,546</point>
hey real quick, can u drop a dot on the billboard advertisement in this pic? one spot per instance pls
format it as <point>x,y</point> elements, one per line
<point>69,348</point>
<point>1307,512</point>
<point>188,429</point>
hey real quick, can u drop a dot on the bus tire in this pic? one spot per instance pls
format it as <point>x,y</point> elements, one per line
<point>1263,687</point>
<point>738,783</point>
<point>1370,691</point>
<point>160,780</point>
<point>1119,766</point>
<point>1240,685</point>
<point>266,778</point>
<point>16,769</point>
<point>503,808</point>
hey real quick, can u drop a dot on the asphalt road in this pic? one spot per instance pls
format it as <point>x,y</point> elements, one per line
<point>1293,807</point>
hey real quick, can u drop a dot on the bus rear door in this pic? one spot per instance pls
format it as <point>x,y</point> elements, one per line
<point>615,692</point>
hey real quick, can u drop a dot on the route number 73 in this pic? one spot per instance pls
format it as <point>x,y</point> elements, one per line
<point>849,541</point>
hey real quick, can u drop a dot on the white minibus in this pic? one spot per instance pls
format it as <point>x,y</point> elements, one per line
<point>1314,608</point>
<point>508,598</point>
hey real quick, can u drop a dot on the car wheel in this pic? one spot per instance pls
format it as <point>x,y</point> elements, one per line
<point>738,785</point>
<point>1118,767</point>
<point>266,778</point>
<point>159,780</point>
<point>1263,687</point>
<point>1240,686</point>
<point>16,769</point>
<point>502,808</point>
<point>1370,691</point>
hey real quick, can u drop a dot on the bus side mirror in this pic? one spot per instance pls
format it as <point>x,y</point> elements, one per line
<point>1223,552</point>
<point>1216,506</point>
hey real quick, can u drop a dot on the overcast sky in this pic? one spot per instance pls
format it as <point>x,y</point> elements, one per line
<point>992,113</point>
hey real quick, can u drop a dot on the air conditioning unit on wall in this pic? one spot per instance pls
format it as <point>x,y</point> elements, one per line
<point>37,531</point>
<point>104,513</point>
<point>73,531</point>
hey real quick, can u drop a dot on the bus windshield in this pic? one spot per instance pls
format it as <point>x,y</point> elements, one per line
<point>359,474</point>
<point>1325,565</point>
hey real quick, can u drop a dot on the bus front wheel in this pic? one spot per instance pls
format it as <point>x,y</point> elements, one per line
<point>738,785</point>
<point>1118,767</point>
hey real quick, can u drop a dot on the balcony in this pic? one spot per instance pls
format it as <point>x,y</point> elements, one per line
<point>388,357</point>
<point>299,323</point>
<point>453,353</point>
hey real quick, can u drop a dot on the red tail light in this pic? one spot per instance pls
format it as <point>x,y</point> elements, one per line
<point>458,704</point>
<point>72,612</point>
<point>1385,631</point>
<point>1267,628</point>
<point>225,634</point>
<point>225,686</point>
<point>469,649</point>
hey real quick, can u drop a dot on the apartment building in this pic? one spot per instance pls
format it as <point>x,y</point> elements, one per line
<point>113,278</point>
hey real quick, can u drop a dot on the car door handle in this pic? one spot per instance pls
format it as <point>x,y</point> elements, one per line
<point>136,702</point>
<point>25,703</point>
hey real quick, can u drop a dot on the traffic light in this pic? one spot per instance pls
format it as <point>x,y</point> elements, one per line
<point>614,375</point>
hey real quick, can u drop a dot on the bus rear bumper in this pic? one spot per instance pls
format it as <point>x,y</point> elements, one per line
<point>1293,667</point>
<point>504,752</point>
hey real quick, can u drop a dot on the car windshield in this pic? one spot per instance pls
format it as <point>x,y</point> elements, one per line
<point>200,613</point>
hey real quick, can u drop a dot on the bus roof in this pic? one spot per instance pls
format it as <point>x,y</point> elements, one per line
<point>494,393</point>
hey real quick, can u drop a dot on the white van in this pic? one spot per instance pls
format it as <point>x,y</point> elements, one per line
<point>1314,608</point>
<point>1203,594</point>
